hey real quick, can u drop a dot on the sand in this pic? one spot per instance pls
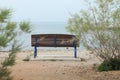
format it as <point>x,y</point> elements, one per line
<point>82,68</point>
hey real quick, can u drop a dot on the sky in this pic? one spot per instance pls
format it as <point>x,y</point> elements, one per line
<point>43,10</point>
<point>56,11</point>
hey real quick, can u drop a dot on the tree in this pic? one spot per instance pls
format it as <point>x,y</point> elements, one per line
<point>8,38</point>
<point>98,28</point>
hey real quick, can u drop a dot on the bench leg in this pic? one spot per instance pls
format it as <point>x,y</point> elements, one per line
<point>75,52</point>
<point>35,52</point>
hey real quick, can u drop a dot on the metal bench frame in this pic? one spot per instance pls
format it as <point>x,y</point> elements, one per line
<point>35,42</point>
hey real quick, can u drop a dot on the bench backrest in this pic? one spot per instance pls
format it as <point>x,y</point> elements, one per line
<point>53,40</point>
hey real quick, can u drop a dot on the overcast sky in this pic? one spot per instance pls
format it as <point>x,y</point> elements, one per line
<point>42,10</point>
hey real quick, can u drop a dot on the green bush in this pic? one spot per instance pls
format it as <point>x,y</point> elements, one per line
<point>112,64</point>
<point>27,58</point>
<point>9,31</point>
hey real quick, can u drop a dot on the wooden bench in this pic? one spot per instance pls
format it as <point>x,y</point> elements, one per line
<point>53,40</point>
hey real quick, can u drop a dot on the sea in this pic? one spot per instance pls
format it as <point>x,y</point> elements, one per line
<point>43,28</point>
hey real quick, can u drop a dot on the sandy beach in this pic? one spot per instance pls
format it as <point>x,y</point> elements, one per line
<point>82,68</point>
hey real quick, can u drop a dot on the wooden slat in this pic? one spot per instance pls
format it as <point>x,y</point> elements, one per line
<point>47,40</point>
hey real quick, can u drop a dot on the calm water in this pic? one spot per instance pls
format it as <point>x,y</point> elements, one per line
<point>49,27</point>
<point>43,28</point>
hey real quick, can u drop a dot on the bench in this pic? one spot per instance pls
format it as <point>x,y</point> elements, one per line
<point>53,40</point>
